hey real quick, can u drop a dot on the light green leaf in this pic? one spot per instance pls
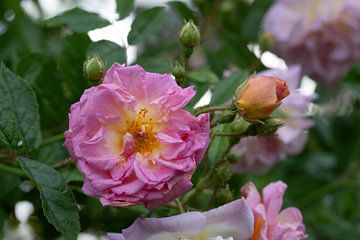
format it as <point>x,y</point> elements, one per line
<point>19,115</point>
<point>124,7</point>
<point>225,89</point>
<point>147,23</point>
<point>58,202</point>
<point>109,52</point>
<point>78,20</point>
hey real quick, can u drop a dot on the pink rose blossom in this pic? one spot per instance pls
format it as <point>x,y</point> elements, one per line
<point>132,140</point>
<point>260,153</point>
<point>270,223</point>
<point>323,35</point>
<point>232,221</point>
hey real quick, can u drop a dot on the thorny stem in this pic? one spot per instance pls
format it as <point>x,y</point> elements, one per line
<point>64,163</point>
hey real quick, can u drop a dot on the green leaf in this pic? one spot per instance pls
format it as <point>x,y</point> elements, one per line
<point>78,20</point>
<point>226,87</point>
<point>30,67</point>
<point>58,202</point>
<point>147,23</point>
<point>71,175</point>
<point>218,145</point>
<point>183,10</point>
<point>124,8</point>
<point>72,57</point>
<point>203,76</point>
<point>109,52</point>
<point>19,115</point>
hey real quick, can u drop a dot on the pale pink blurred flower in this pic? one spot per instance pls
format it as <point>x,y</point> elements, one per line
<point>232,221</point>
<point>321,35</point>
<point>259,153</point>
<point>132,140</point>
<point>271,223</point>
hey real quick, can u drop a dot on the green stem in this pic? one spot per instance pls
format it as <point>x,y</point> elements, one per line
<point>206,109</point>
<point>12,170</point>
<point>51,140</point>
<point>213,197</point>
<point>180,206</point>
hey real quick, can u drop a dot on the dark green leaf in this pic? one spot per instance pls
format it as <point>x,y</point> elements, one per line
<point>218,145</point>
<point>30,67</point>
<point>71,175</point>
<point>147,23</point>
<point>183,10</point>
<point>58,201</point>
<point>124,7</point>
<point>78,20</point>
<point>226,87</point>
<point>72,57</point>
<point>109,52</point>
<point>19,115</point>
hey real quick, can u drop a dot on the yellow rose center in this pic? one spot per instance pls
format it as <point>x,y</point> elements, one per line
<point>142,130</point>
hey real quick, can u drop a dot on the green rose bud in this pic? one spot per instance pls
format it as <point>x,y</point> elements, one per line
<point>266,41</point>
<point>190,35</point>
<point>233,158</point>
<point>93,69</point>
<point>225,195</point>
<point>224,172</point>
<point>179,71</point>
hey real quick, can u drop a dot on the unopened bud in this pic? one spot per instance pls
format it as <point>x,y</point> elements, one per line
<point>225,195</point>
<point>93,69</point>
<point>179,70</point>
<point>226,116</point>
<point>224,172</point>
<point>269,127</point>
<point>259,96</point>
<point>190,35</point>
<point>233,158</point>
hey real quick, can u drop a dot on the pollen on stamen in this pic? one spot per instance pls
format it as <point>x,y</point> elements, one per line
<point>142,130</point>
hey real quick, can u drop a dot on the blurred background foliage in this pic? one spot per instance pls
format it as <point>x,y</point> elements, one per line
<point>48,52</point>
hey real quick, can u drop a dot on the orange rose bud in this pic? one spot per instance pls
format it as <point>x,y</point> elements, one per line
<point>259,96</point>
